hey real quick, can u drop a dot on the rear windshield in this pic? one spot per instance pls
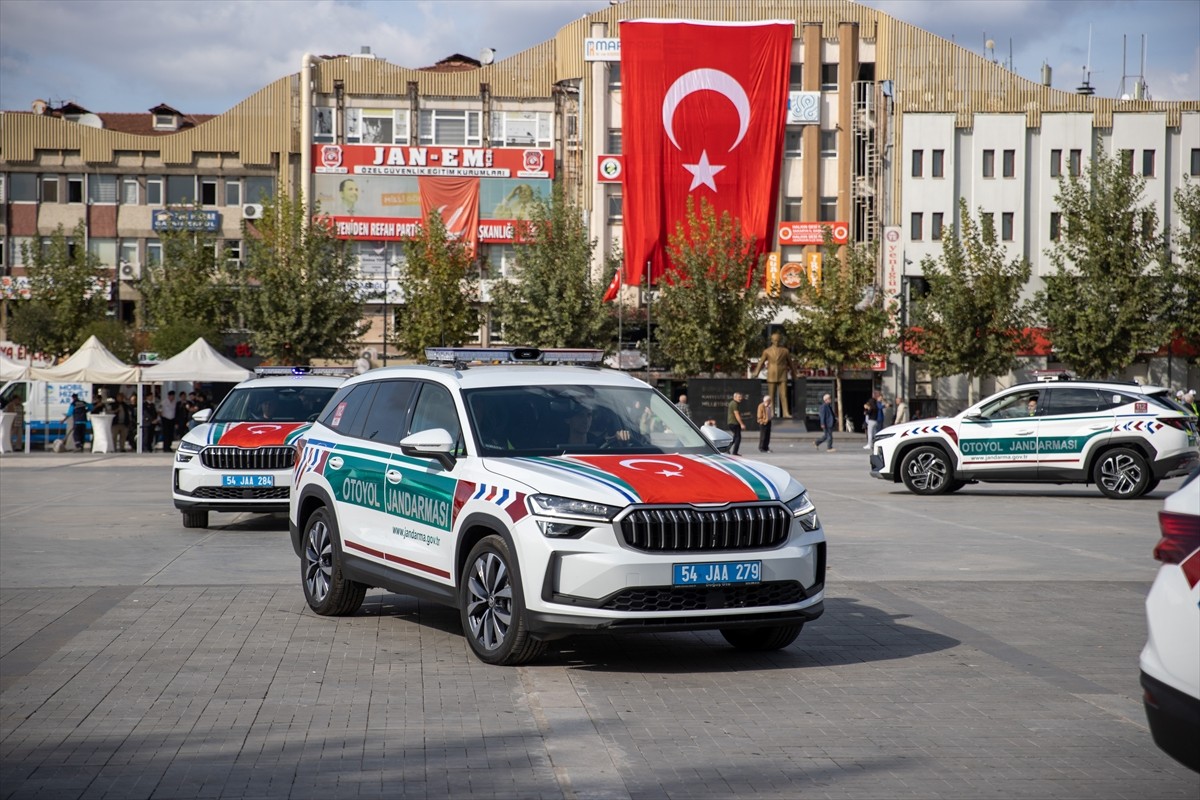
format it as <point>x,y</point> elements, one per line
<point>276,403</point>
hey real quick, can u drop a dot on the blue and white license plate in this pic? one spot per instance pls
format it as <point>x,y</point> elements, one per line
<point>247,481</point>
<point>717,572</point>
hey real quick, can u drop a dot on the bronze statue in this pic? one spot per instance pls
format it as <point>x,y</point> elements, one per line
<point>779,364</point>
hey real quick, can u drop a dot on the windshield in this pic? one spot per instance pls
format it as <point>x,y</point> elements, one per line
<point>277,403</point>
<point>571,420</point>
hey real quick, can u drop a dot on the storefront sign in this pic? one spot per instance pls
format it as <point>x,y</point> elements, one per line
<point>477,162</point>
<point>597,49</point>
<point>609,169</point>
<point>167,219</point>
<point>813,232</point>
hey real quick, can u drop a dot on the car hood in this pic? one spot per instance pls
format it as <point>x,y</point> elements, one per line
<point>247,434</point>
<point>619,480</point>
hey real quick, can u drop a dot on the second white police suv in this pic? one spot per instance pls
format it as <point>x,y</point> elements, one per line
<point>542,499</point>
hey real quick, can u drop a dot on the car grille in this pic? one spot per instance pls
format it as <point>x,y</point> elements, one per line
<point>237,493</point>
<point>249,458</point>
<point>688,530</point>
<point>697,598</point>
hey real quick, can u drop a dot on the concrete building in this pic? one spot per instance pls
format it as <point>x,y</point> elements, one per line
<point>888,125</point>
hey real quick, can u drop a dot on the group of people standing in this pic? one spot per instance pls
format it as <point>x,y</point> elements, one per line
<point>168,417</point>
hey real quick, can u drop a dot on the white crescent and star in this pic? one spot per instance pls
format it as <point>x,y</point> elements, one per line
<point>260,430</point>
<point>675,471</point>
<point>712,80</point>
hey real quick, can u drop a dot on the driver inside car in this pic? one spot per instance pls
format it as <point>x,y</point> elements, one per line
<point>585,427</point>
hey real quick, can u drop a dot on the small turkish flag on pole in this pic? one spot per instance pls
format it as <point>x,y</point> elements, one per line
<point>704,110</point>
<point>614,287</point>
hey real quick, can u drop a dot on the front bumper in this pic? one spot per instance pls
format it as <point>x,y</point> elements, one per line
<point>196,488</point>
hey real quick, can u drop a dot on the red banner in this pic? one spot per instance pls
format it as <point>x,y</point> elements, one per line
<point>457,202</point>
<point>704,108</point>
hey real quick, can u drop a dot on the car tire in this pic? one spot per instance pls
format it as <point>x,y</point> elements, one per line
<point>1152,485</point>
<point>926,470</point>
<point>195,519</point>
<point>762,639</point>
<point>328,592</point>
<point>955,486</point>
<point>1122,473</point>
<point>492,606</point>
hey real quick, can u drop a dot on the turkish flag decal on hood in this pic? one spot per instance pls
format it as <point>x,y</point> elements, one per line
<point>704,108</point>
<point>254,434</point>
<point>679,479</point>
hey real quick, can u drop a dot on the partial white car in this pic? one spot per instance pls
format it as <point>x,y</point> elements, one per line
<point>544,501</point>
<point>1123,437</point>
<point>1170,661</point>
<point>239,458</point>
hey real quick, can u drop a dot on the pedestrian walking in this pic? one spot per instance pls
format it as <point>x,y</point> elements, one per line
<point>733,420</point>
<point>166,419</point>
<point>827,423</point>
<point>78,414</point>
<point>149,423</point>
<point>683,406</point>
<point>871,419</point>
<point>763,417</point>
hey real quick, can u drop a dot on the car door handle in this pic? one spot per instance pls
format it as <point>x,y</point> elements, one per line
<point>1023,433</point>
<point>393,476</point>
<point>1099,427</point>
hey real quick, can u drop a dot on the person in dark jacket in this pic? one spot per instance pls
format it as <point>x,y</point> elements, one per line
<point>827,423</point>
<point>78,413</point>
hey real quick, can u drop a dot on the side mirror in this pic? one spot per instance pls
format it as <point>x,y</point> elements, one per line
<point>974,414</point>
<point>719,437</point>
<point>202,415</point>
<point>433,443</point>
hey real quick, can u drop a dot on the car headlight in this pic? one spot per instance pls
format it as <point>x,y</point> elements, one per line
<point>584,513</point>
<point>879,437</point>
<point>189,447</point>
<point>804,511</point>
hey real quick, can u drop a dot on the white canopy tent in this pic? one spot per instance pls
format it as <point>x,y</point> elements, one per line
<point>12,370</point>
<point>199,362</point>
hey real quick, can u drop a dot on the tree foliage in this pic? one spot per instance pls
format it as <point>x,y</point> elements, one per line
<point>187,293</point>
<point>439,292</point>
<point>1183,311</point>
<point>67,293</point>
<point>711,311</point>
<point>552,300</point>
<point>1105,302</point>
<point>296,294</point>
<point>973,321</point>
<point>840,323</point>
<point>115,335</point>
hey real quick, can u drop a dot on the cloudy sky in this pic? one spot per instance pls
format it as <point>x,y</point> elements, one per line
<point>205,57</point>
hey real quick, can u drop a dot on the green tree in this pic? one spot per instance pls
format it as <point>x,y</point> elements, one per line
<point>186,294</point>
<point>1183,312</point>
<point>839,322</point>
<point>297,295</point>
<point>66,291</point>
<point>439,292</point>
<point>1105,302</point>
<point>973,321</point>
<point>711,310</point>
<point>552,300</point>
<point>114,335</point>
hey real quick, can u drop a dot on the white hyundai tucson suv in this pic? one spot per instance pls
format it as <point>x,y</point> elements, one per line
<point>547,500</point>
<point>239,457</point>
<point>1123,437</point>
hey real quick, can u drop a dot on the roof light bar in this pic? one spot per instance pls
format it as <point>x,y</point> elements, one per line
<point>336,372</point>
<point>512,355</point>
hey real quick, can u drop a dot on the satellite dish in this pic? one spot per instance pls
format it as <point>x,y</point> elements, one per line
<point>487,55</point>
<point>90,120</point>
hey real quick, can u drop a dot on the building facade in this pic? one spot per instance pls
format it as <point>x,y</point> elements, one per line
<point>888,125</point>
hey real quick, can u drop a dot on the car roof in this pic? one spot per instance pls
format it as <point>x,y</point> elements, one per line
<point>508,375</point>
<point>1128,386</point>
<point>291,380</point>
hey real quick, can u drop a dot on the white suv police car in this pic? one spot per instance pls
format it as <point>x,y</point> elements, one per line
<point>543,501</point>
<point>1123,437</point>
<point>240,457</point>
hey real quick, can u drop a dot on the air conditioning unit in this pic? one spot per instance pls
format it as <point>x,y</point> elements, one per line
<point>129,272</point>
<point>252,211</point>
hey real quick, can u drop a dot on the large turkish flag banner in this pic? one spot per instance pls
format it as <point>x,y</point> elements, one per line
<point>704,108</point>
<point>457,201</point>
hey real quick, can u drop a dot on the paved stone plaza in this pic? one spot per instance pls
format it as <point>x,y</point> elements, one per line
<point>979,645</point>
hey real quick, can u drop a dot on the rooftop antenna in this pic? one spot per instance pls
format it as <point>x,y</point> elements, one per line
<point>989,48</point>
<point>1086,87</point>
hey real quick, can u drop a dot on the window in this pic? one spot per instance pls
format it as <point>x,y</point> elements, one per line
<point>259,189</point>
<point>613,142</point>
<point>105,250</point>
<point>614,75</point>
<point>447,126</point>
<point>1148,163</point>
<point>74,188</point>
<point>793,142</point>
<point>918,163</point>
<point>322,122</point>
<point>616,204</point>
<point>792,209</point>
<point>916,228</point>
<point>130,193</point>
<point>434,409</point>
<point>181,190</point>
<point>1010,163</point>
<point>1006,226</point>
<point>522,129</point>
<point>1127,160</point>
<point>128,252</point>
<point>1055,163</point>
<point>1075,401</point>
<point>827,210</point>
<point>23,187</point>
<point>154,190</point>
<point>344,413</point>
<point>233,252</point>
<point>828,143</point>
<point>939,164</point>
<point>153,253</point>
<point>208,191</point>
<point>389,410</point>
<point>796,77</point>
<point>989,163</point>
<point>233,192</point>
<point>102,189</point>
<point>381,126</point>
<point>1195,167</point>
<point>1055,225</point>
<point>935,226</point>
<point>829,77</point>
<point>49,189</point>
<point>500,260</point>
<point>1075,163</point>
<point>164,121</point>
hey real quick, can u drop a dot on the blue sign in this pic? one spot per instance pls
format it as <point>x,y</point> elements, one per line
<point>167,219</point>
